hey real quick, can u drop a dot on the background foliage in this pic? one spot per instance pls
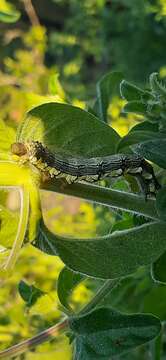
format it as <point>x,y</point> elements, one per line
<point>59,55</point>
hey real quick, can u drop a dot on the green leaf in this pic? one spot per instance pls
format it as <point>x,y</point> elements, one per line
<point>54,86</point>
<point>105,332</point>
<point>159,269</point>
<point>161,203</point>
<point>69,130</point>
<point>157,86</point>
<point>146,131</point>
<point>130,92</point>
<point>105,257</point>
<point>146,126</point>
<point>153,301</point>
<point>82,351</point>
<point>29,293</point>
<point>45,240</point>
<point>136,107</point>
<point>135,137</point>
<point>67,281</point>
<point>9,17</point>
<point>153,150</point>
<point>8,13</point>
<point>106,88</point>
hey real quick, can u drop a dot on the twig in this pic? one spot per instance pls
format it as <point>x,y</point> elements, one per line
<point>103,291</point>
<point>29,8</point>
<point>26,345</point>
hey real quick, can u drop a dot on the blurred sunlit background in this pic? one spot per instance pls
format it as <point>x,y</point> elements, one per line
<point>58,50</point>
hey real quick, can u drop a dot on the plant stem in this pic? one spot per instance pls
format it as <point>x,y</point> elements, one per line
<point>31,12</point>
<point>22,227</point>
<point>104,290</point>
<point>156,348</point>
<point>108,197</point>
<point>55,330</point>
<point>26,345</point>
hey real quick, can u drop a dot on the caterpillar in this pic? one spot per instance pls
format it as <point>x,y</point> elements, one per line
<point>88,169</point>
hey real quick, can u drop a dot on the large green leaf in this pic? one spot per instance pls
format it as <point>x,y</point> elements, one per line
<point>69,130</point>
<point>45,240</point>
<point>135,137</point>
<point>67,281</point>
<point>111,256</point>
<point>105,332</point>
<point>107,87</point>
<point>153,150</point>
<point>140,132</point>
<point>82,351</point>
<point>153,301</point>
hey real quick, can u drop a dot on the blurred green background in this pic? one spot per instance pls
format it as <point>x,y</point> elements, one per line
<point>58,50</point>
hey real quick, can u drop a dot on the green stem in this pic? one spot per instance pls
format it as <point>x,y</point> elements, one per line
<point>57,329</point>
<point>103,291</point>
<point>156,347</point>
<point>113,198</point>
<point>26,345</point>
<point>22,227</point>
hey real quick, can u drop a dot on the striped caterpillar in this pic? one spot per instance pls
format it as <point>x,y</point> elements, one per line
<point>88,169</point>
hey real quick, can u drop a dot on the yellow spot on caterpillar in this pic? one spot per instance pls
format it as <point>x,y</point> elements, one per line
<point>71,179</point>
<point>134,170</point>
<point>33,160</point>
<point>53,172</point>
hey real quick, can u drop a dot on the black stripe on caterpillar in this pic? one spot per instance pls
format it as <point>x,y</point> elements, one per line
<point>88,169</point>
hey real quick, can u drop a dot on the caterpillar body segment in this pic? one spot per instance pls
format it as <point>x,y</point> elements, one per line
<point>90,169</point>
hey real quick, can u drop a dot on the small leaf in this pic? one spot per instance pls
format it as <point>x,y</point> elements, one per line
<point>29,293</point>
<point>106,88</point>
<point>105,257</point>
<point>105,332</point>
<point>136,107</point>
<point>159,269</point>
<point>68,129</point>
<point>8,13</point>
<point>156,85</point>
<point>55,87</point>
<point>130,92</point>
<point>153,150</point>
<point>67,281</point>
